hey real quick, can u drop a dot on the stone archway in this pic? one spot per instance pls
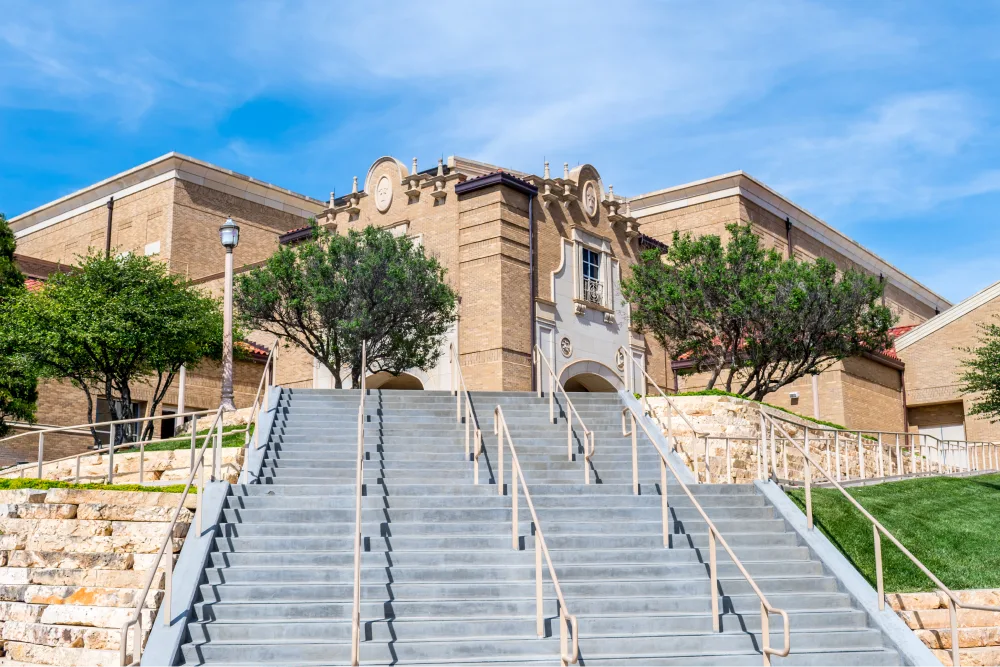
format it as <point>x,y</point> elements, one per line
<point>385,380</point>
<point>588,375</point>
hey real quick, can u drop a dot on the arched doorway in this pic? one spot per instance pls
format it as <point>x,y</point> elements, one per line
<point>385,380</point>
<point>588,382</point>
<point>587,375</point>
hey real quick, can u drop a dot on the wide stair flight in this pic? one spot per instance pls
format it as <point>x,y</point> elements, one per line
<point>441,583</point>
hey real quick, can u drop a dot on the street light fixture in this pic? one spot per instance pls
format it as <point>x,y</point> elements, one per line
<point>229,234</point>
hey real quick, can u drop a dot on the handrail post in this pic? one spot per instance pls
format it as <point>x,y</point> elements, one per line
<point>808,476</point>
<point>765,635</point>
<point>142,459</point>
<point>861,456</point>
<point>41,453</point>
<point>713,569</point>
<point>194,438</point>
<point>113,434</point>
<point>200,494</point>
<point>836,440</point>
<point>664,507</point>
<point>880,586</point>
<point>76,478</point>
<point>953,617</point>
<point>635,456</point>
<point>217,453</point>
<point>499,434</point>
<point>514,512</point>
<point>168,586</point>
<point>539,618</point>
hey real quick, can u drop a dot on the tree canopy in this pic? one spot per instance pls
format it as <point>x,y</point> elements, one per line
<point>111,323</point>
<point>742,312</point>
<point>18,381</point>
<point>981,378</point>
<point>331,294</point>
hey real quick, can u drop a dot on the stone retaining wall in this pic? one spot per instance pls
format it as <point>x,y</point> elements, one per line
<point>72,565</point>
<point>172,465</point>
<point>728,416</point>
<point>978,631</point>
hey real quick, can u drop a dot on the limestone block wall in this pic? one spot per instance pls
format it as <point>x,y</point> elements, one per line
<point>978,631</point>
<point>73,563</point>
<point>166,466</point>
<point>720,417</point>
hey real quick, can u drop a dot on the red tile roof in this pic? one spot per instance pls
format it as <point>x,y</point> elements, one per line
<point>33,284</point>
<point>256,351</point>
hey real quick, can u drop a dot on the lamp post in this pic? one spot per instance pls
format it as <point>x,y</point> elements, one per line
<point>229,234</point>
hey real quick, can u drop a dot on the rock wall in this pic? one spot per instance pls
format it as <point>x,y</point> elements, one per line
<point>722,417</point>
<point>73,564</point>
<point>173,466</point>
<point>978,631</point>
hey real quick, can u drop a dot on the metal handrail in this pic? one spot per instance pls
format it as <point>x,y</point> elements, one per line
<point>459,389</point>
<point>567,621</point>
<point>136,618</point>
<point>713,534</point>
<point>980,455</point>
<point>631,365</point>
<point>260,399</point>
<point>588,436</point>
<point>359,485</point>
<point>110,449</point>
<point>953,601</point>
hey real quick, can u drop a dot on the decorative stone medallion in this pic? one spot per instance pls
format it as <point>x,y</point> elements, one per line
<point>566,346</point>
<point>620,359</point>
<point>383,194</point>
<point>590,198</point>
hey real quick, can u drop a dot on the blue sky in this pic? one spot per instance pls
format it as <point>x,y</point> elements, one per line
<point>881,118</point>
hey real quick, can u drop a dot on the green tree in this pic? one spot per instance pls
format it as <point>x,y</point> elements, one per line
<point>333,293</point>
<point>742,312</point>
<point>981,378</point>
<point>18,381</point>
<point>112,323</point>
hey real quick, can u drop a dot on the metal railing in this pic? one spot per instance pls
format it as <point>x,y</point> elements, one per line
<point>216,429</point>
<point>631,366</point>
<point>592,291</point>
<point>113,427</point>
<point>567,621</point>
<point>198,469</point>
<point>473,434</point>
<point>359,486</point>
<point>260,403</point>
<point>570,410</point>
<point>766,609</point>
<point>854,455</point>
<point>878,530</point>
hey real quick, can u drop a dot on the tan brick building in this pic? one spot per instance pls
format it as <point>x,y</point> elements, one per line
<point>861,393</point>
<point>933,353</point>
<point>534,259</point>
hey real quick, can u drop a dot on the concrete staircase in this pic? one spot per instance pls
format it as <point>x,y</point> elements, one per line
<point>441,583</point>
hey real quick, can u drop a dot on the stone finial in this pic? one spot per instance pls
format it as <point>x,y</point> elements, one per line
<point>611,192</point>
<point>414,172</point>
<point>440,171</point>
<point>332,198</point>
<point>628,209</point>
<point>354,191</point>
<point>546,176</point>
<point>565,171</point>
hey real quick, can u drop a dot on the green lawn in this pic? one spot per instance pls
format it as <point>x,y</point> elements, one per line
<point>52,484</point>
<point>951,524</point>
<point>233,440</point>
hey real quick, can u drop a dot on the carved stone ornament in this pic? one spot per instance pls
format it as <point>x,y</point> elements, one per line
<point>609,318</point>
<point>566,346</point>
<point>620,359</point>
<point>383,194</point>
<point>590,198</point>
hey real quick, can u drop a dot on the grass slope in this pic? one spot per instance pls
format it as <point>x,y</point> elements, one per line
<point>233,440</point>
<point>52,484</point>
<point>951,524</point>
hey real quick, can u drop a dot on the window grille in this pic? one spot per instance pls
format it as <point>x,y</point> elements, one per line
<point>592,288</point>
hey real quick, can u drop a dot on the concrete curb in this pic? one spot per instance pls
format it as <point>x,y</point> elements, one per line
<point>683,472</point>
<point>899,636</point>
<point>165,641</point>
<point>261,434</point>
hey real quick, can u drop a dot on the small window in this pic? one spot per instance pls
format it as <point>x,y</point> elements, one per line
<point>593,290</point>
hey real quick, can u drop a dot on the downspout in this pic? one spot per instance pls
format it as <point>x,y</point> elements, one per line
<point>107,234</point>
<point>531,280</point>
